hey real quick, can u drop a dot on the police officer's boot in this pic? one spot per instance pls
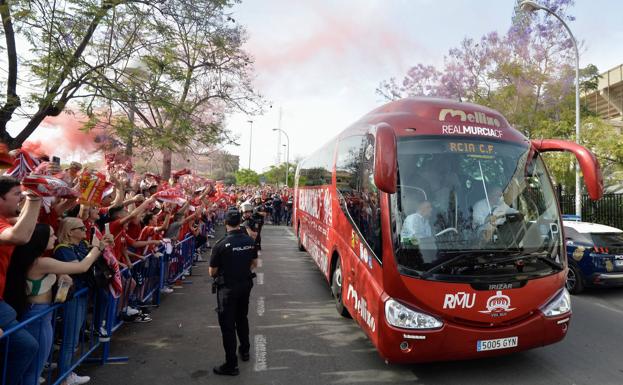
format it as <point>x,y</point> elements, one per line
<point>226,370</point>
<point>244,355</point>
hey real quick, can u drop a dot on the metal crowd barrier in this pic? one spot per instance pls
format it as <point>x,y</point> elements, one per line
<point>78,323</point>
<point>74,335</point>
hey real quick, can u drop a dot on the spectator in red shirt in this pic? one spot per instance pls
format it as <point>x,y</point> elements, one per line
<point>23,346</point>
<point>118,228</point>
<point>151,231</point>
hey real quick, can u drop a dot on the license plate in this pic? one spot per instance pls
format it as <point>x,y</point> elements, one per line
<point>500,343</point>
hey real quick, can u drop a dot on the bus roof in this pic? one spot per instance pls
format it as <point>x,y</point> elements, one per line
<point>436,116</point>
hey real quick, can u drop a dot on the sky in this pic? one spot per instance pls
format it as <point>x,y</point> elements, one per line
<point>320,61</point>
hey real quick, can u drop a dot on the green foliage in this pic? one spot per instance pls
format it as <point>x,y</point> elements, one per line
<point>228,177</point>
<point>70,43</point>
<point>194,69</point>
<point>196,72</point>
<point>276,175</point>
<point>247,177</point>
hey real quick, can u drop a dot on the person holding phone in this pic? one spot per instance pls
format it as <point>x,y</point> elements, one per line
<point>73,248</point>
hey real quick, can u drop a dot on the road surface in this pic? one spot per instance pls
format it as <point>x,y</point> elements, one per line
<point>298,338</point>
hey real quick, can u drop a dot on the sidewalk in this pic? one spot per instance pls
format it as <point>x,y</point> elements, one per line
<point>181,344</point>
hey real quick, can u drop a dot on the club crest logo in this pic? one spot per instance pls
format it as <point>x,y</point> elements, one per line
<point>498,305</point>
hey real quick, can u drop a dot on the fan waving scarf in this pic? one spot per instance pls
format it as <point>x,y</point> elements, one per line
<point>172,195</point>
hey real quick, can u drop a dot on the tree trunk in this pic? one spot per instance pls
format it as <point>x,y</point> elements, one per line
<point>12,99</point>
<point>166,163</point>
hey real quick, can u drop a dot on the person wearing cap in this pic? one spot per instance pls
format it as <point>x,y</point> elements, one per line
<point>72,172</point>
<point>232,262</point>
<point>249,223</point>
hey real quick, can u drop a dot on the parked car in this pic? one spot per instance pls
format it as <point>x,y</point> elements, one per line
<point>595,255</point>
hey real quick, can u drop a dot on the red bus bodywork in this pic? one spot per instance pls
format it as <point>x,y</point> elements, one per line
<point>368,282</point>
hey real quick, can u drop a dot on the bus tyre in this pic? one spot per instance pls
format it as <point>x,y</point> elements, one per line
<point>337,290</point>
<point>298,238</point>
<point>575,280</point>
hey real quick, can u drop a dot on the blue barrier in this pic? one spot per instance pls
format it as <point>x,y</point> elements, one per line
<point>181,260</point>
<point>76,343</point>
<point>79,330</point>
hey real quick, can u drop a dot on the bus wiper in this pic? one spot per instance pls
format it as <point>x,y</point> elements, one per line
<point>541,256</point>
<point>516,254</point>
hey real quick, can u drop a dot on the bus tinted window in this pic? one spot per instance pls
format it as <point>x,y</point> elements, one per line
<point>354,173</point>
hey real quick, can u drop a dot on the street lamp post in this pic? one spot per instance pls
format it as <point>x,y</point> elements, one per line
<point>531,6</point>
<point>250,140</point>
<point>287,152</point>
<point>287,165</point>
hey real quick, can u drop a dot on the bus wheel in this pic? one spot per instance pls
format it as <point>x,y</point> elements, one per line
<point>336,289</point>
<point>575,281</point>
<point>298,238</point>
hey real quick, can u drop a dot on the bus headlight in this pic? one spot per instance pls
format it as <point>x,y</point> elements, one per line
<point>400,316</point>
<point>560,305</point>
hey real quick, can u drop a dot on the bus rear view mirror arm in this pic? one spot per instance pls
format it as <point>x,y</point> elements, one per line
<point>587,160</point>
<point>385,162</point>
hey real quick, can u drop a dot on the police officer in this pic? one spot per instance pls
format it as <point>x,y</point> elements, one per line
<point>277,209</point>
<point>231,264</point>
<point>250,223</point>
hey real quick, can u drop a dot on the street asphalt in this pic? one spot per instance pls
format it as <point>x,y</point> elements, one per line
<point>297,337</point>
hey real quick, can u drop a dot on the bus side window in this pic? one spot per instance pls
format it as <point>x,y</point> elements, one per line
<point>355,183</point>
<point>316,170</point>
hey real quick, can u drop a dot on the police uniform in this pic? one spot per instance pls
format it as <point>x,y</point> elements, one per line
<point>253,224</point>
<point>232,256</point>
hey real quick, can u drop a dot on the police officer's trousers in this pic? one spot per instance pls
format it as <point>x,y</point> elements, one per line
<point>233,307</point>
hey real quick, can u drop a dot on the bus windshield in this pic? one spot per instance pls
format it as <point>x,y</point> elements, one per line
<point>474,208</point>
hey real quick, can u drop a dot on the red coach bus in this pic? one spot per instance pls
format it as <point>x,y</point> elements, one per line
<point>438,230</point>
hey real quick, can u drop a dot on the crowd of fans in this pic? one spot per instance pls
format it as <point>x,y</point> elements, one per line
<point>274,203</point>
<point>57,225</point>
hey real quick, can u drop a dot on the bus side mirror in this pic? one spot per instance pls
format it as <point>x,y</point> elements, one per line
<point>587,160</point>
<point>385,159</point>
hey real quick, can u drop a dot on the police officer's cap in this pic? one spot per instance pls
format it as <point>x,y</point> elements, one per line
<point>232,217</point>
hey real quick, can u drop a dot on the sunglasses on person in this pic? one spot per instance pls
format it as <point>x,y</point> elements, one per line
<point>81,228</point>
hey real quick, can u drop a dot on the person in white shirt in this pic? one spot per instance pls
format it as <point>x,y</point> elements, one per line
<point>417,225</point>
<point>496,207</point>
